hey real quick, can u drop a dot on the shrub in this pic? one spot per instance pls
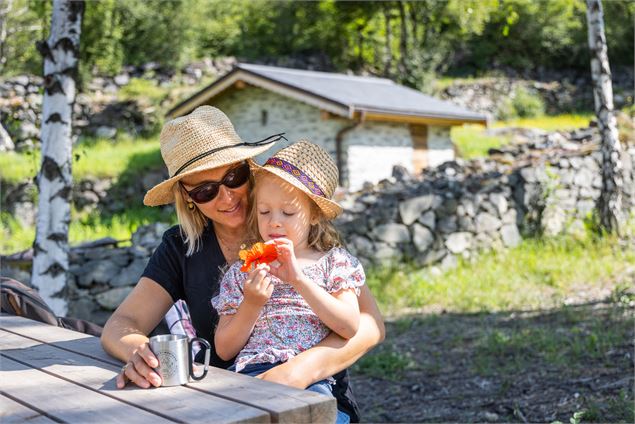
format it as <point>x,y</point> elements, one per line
<point>523,103</point>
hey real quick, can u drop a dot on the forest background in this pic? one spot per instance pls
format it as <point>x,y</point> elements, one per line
<point>409,41</point>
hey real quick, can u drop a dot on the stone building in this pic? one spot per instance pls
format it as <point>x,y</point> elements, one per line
<point>368,124</point>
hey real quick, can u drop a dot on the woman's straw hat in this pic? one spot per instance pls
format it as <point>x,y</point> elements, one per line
<point>309,168</point>
<point>204,139</point>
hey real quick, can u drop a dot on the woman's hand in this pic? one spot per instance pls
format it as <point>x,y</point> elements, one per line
<point>258,288</point>
<point>139,369</point>
<point>288,271</point>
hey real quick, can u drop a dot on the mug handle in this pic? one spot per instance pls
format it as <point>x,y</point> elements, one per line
<point>208,350</point>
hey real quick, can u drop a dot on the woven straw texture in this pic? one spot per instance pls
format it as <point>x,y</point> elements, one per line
<point>186,137</point>
<point>318,165</point>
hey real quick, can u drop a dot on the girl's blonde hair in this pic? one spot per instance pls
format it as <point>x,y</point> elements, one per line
<point>193,222</point>
<point>322,235</point>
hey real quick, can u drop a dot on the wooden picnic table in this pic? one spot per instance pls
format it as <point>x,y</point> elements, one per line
<point>50,374</point>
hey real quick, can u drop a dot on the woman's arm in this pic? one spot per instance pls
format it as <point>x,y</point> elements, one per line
<point>333,354</point>
<point>125,333</point>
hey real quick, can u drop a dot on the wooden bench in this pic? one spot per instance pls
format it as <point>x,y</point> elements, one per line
<point>50,374</point>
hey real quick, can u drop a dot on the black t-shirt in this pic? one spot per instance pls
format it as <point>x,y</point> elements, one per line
<point>196,279</point>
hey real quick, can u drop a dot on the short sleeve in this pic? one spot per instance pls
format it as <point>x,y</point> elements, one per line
<point>166,264</point>
<point>230,295</point>
<point>346,272</point>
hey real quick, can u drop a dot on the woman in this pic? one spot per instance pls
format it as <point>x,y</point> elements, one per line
<point>209,182</point>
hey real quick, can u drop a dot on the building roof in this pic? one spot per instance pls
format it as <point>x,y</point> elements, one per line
<point>345,95</point>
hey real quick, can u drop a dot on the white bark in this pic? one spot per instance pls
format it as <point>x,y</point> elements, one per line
<point>610,201</point>
<point>60,52</point>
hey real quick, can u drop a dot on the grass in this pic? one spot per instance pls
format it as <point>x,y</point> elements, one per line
<point>537,273</point>
<point>473,141</point>
<point>91,158</point>
<point>83,227</point>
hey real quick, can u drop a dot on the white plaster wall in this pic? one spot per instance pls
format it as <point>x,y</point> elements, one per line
<point>440,147</point>
<point>297,120</point>
<point>374,163</point>
<point>372,149</point>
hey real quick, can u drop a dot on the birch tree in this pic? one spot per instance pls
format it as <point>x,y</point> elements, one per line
<point>610,200</point>
<point>50,249</point>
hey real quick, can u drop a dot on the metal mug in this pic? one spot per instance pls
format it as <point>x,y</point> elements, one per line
<point>174,353</point>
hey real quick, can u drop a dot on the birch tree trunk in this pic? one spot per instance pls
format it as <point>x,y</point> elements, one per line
<point>5,7</point>
<point>50,249</point>
<point>610,201</point>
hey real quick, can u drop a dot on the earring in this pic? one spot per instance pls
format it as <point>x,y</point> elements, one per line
<point>190,206</point>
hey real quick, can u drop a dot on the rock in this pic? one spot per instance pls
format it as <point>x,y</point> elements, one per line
<point>28,130</point>
<point>112,298</point>
<point>553,220</point>
<point>459,242</point>
<point>449,262</point>
<point>392,233</point>
<point>510,217</point>
<point>583,178</point>
<point>500,203</point>
<point>510,235</point>
<point>486,223</point>
<point>130,275</point>
<point>122,79</point>
<point>21,80</point>
<point>99,271</point>
<point>106,132</point>
<point>428,219</point>
<point>385,253</point>
<point>6,144</point>
<point>149,236</point>
<point>422,237</point>
<point>401,173</point>
<point>585,207</point>
<point>411,209</point>
<point>448,224</point>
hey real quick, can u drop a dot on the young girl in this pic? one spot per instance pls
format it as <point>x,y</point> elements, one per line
<point>273,312</point>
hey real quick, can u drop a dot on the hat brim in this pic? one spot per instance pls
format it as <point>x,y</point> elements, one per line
<point>163,194</point>
<point>330,208</point>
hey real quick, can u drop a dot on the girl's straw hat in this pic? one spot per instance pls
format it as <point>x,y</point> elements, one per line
<point>309,168</point>
<point>204,139</point>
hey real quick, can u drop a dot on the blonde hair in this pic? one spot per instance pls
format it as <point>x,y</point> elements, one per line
<point>192,222</point>
<point>322,235</point>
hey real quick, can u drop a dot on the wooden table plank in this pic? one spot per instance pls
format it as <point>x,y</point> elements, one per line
<point>74,341</point>
<point>12,412</point>
<point>177,403</point>
<point>285,404</point>
<point>66,401</point>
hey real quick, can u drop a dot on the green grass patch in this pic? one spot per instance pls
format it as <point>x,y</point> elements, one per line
<point>143,90</point>
<point>473,142</point>
<point>83,227</point>
<point>537,273</point>
<point>385,362</point>
<point>91,158</point>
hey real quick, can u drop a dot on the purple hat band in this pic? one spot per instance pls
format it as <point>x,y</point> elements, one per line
<point>297,174</point>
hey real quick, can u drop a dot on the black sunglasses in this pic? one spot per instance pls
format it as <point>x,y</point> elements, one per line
<point>206,192</point>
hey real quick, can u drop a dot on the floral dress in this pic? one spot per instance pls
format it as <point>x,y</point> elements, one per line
<point>287,325</point>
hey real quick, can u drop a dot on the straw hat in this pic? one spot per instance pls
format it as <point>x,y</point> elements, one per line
<point>204,139</point>
<point>309,168</point>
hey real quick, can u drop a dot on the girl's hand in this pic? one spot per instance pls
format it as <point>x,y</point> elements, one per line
<point>258,287</point>
<point>288,271</point>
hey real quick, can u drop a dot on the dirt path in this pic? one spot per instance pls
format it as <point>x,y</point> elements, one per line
<point>507,367</point>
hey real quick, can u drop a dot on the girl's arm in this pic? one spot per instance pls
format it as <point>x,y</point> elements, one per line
<point>234,330</point>
<point>339,311</point>
<point>333,354</point>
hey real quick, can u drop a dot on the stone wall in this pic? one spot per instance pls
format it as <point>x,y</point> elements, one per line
<point>546,186</point>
